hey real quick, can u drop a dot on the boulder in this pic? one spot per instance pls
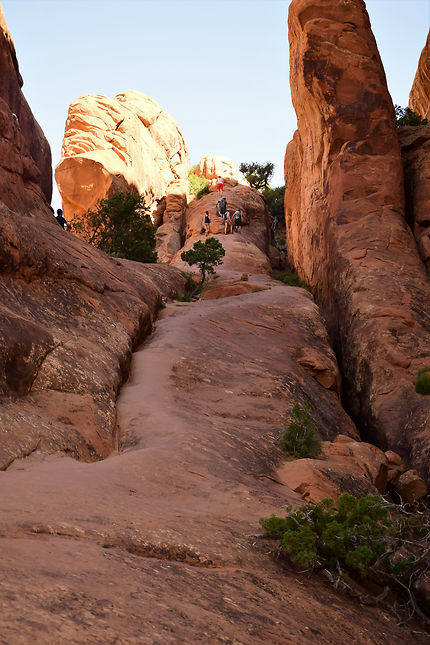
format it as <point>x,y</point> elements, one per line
<point>25,155</point>
<point>346,232</point>
<point>415,149</point>
<point>345,465</point>
<point>212,166</point>
<point>120,144</point>
<point>419,97</point>
<point>395,466</point>
<point>410,486</point>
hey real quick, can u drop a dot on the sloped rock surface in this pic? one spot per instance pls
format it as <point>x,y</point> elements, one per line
<point>245,251</point>
<point>120,144</point>
<point>70,317</point>
<point>419,97</point>
<point>25,155</point>
<point>346,231</point>
<point>415,149</point>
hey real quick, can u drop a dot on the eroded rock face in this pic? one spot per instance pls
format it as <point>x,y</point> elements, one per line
<point>346,231</point>
<point>419,97</point>
<point>213,166</point>
<point>415,149</point>
<point>70,317</point>
<point>120,144</point>
<point>25,155</point>
<point>170,234</point>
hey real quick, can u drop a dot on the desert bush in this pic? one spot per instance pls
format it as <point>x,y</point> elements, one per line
<point>299,437</point>
<point>291,279</point>
<point>199,186</point>
<point>361,538</point>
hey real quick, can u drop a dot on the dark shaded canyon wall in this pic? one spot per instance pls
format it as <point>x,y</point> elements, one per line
<point>346,232</point>
<point>25,155</point>
<point>419,97</point>
<point>415,148</point>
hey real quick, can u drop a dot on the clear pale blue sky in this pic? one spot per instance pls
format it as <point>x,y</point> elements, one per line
<point>219,68</point>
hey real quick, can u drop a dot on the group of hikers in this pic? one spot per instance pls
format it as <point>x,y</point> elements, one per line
<point>232,223</point>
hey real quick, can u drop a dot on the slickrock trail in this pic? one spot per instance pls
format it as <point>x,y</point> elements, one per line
<point>155,544</point>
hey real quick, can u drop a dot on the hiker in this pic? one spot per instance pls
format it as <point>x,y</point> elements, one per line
<point>206,223</point>
<point>221,206</point>
<point>220,184</point>
<point>60,219</point>
<point>237,221</point>
<point>227,222</point>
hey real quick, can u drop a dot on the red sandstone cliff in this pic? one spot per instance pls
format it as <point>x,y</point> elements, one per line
<point>419,97</point>
<point>346,231</point>
<point>25,155</point>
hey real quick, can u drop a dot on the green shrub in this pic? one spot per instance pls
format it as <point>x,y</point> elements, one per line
<point>275,203</point>
<point>291,279</point>
<point>206,255</point>
<point>199,186</point>
<point>299,438</point>
<point>406,116</point>
<point>120,226</point>
<point>362,538</point>
<point>422,381</point>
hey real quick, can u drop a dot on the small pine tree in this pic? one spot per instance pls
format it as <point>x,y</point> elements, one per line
<point>206,255</point>
<point>299,438</point>
<point>257,174</point>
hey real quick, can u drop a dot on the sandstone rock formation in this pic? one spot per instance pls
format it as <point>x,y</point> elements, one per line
<point>70,317</point>
<point>419,97</point>
<point>25,155</point>
<point>111,145</point>
<point>415,149</point>
<point>213,166</point>
<point>346,231</point>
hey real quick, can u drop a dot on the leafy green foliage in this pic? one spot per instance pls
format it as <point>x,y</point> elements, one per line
<point>361,538</point>
<point>354,535</point>
<point>290,278</point>
<point>206,255</point>
<point>422,381</point>
<point>199,186</point>
<point>406,116</point>
<point>257,174</point>
<point>275,203</point>
<point>299,438</point>
<point>119,226</point>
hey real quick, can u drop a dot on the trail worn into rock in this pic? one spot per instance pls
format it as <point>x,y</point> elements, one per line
<point>156,545</point>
